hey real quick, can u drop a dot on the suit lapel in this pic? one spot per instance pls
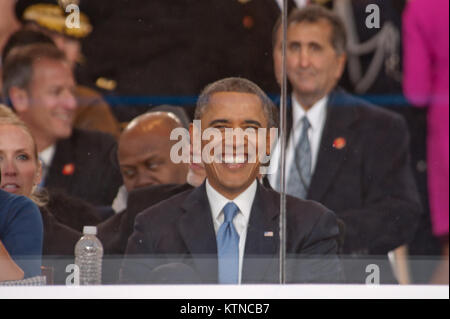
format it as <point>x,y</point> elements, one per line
<point>333,151</point>
<point>197,230</point>
<point>262,239</point>
<point>63,166</point>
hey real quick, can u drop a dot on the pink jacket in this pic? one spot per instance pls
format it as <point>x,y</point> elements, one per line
<point>426,83</point>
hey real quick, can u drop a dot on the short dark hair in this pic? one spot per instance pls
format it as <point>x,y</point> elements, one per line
<point>239,85</point>
<point>313,13</point>
<point>18,67</point>
<point>24,37</point>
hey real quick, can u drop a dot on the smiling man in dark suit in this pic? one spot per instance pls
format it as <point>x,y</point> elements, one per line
<point>38,83</point>
<point>348,155</point>
<point>226,230</point>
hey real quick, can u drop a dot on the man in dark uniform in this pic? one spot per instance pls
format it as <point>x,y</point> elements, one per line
<point>50,18</point>
<point>165,52</point>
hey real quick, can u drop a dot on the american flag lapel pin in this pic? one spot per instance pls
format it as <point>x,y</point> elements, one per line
<point>268,234</point>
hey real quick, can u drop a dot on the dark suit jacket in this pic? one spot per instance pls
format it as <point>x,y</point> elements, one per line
<point>64,218</point>
<point>59,239</point>
<point>115,231</point>
<point>58,249</point>
<point>368,183</point>
<point>72,212</point>
<point>95,177</point>
<point>208,40</point>
<point>180,230</point>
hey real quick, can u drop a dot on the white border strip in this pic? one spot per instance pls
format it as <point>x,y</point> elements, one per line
<point>227,292</point>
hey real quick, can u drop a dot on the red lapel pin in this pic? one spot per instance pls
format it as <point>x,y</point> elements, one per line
<point>68,169</point>
<point>248,22</point>
<point>340,143</point>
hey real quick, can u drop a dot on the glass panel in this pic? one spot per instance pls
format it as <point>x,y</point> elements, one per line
<point>336,81</point>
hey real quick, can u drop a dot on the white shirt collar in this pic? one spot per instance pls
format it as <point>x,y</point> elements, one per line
<point>120,202</point>
<point>299,3</point>
<point>244,201</point>
<point>315,114</point>
<point>46,156</point>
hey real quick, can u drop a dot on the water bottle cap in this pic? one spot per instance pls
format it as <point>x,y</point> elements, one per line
<point>90,230</point>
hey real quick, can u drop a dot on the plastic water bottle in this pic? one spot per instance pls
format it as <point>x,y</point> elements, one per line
<point>88,257</point>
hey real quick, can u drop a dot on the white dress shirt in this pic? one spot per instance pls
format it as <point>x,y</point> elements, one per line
<point>120,202</point>
<point>46,158</point>
<point>244,202</point>
<point>316,116</point>
<point>299,3</point>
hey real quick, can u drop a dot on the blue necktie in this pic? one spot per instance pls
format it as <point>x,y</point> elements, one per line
<point>300,172</point>
<point>228,247</point>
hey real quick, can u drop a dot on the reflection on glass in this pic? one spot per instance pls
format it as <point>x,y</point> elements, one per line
<point>175,203</point>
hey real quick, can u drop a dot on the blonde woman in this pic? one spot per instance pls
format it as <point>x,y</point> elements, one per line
<point>21,229</point>
<point>63,217</point>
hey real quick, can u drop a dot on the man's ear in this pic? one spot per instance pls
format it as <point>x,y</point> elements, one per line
<point>342,61</point>
<point>269,142</point>
<point>195,140</point>
<point>19,99</point>
<point>191,133</point>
